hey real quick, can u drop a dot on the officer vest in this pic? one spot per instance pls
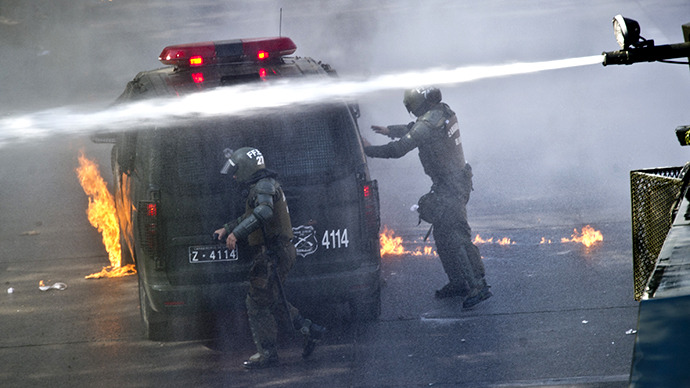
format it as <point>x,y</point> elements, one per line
<point>440,150</point>
<point>279,226</point>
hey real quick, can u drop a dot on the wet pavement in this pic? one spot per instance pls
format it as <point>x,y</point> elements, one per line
<point>561,314</point>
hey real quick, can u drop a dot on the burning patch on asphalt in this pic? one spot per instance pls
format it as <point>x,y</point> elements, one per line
<point>392,245</point>
<point>588,237</point>
<point>500,241</point>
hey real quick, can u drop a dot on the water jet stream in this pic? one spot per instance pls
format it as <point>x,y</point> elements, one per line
<point>247,99</point>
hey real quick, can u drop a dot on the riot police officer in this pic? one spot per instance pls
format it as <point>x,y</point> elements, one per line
<point>436,134</point>
<point>266,227</point>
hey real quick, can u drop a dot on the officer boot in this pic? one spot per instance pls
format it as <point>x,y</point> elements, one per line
<point>267,356</point>
<point>452,290</point>
<point>482,293</point>
<point>311,332</point>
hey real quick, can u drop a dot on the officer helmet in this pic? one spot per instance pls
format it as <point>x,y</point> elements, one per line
<point>243,163</point>
<point>419,100</point>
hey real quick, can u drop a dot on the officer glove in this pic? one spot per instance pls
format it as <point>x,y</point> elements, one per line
<point>381,129</point>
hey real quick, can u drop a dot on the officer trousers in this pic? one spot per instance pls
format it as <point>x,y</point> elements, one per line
<point>264,302</point>
<point>459,256</point>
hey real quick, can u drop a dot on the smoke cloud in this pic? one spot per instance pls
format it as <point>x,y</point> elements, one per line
<point>563,139</point>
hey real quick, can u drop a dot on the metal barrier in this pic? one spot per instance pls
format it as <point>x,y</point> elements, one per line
<point>652,194</point>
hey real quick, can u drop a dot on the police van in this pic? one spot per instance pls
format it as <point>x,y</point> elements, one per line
<point>170,195</point>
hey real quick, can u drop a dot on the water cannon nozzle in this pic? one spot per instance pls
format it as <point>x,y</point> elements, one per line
<point>620,57</point>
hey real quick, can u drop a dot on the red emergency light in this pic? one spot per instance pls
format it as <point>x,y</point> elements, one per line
<point>227,51</point>
<point>196,60</point>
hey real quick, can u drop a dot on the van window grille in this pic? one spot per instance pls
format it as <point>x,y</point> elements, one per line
<point>304,147</point>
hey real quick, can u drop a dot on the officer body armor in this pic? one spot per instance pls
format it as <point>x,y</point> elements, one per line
<point>266,212</point>
<point>437,134</point>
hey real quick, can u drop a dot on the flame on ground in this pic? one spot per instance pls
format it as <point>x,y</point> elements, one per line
<point>102,216</point>
<point>503,241</point>
<point>425,251</point>
<point>587,237</point>
<point>392,246</point>
<point>479,240</point>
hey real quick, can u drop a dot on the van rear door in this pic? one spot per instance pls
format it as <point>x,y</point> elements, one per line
<point>315,152</point>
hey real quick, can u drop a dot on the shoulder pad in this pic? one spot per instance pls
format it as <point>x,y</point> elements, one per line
<point>434,117</point>
<point>266,186</point>
<point>421,130</point>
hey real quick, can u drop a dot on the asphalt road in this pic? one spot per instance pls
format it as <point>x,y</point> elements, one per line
<point>559,316</point>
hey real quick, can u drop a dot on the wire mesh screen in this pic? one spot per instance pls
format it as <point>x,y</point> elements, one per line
<point>652,193</point>
<point>302,147</point>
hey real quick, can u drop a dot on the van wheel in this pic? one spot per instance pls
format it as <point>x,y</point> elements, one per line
<point>156,325</point>
<point>366,309</point>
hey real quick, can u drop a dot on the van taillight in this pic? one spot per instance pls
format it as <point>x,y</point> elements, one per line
<point>148,227</point>
<point>198,78</point>
<point>372,219</point>
<point>151,210</point>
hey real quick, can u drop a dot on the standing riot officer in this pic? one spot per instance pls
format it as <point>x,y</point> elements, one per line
<point>266,227</point>
<point>436,134</point>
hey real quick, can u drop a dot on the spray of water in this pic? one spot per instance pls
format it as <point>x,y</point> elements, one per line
<point>247,99</point>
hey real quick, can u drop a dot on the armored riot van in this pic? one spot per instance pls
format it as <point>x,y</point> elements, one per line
<point>170,195</point>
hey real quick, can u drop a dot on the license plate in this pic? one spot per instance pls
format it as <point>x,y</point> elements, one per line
<point>211,254</point>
